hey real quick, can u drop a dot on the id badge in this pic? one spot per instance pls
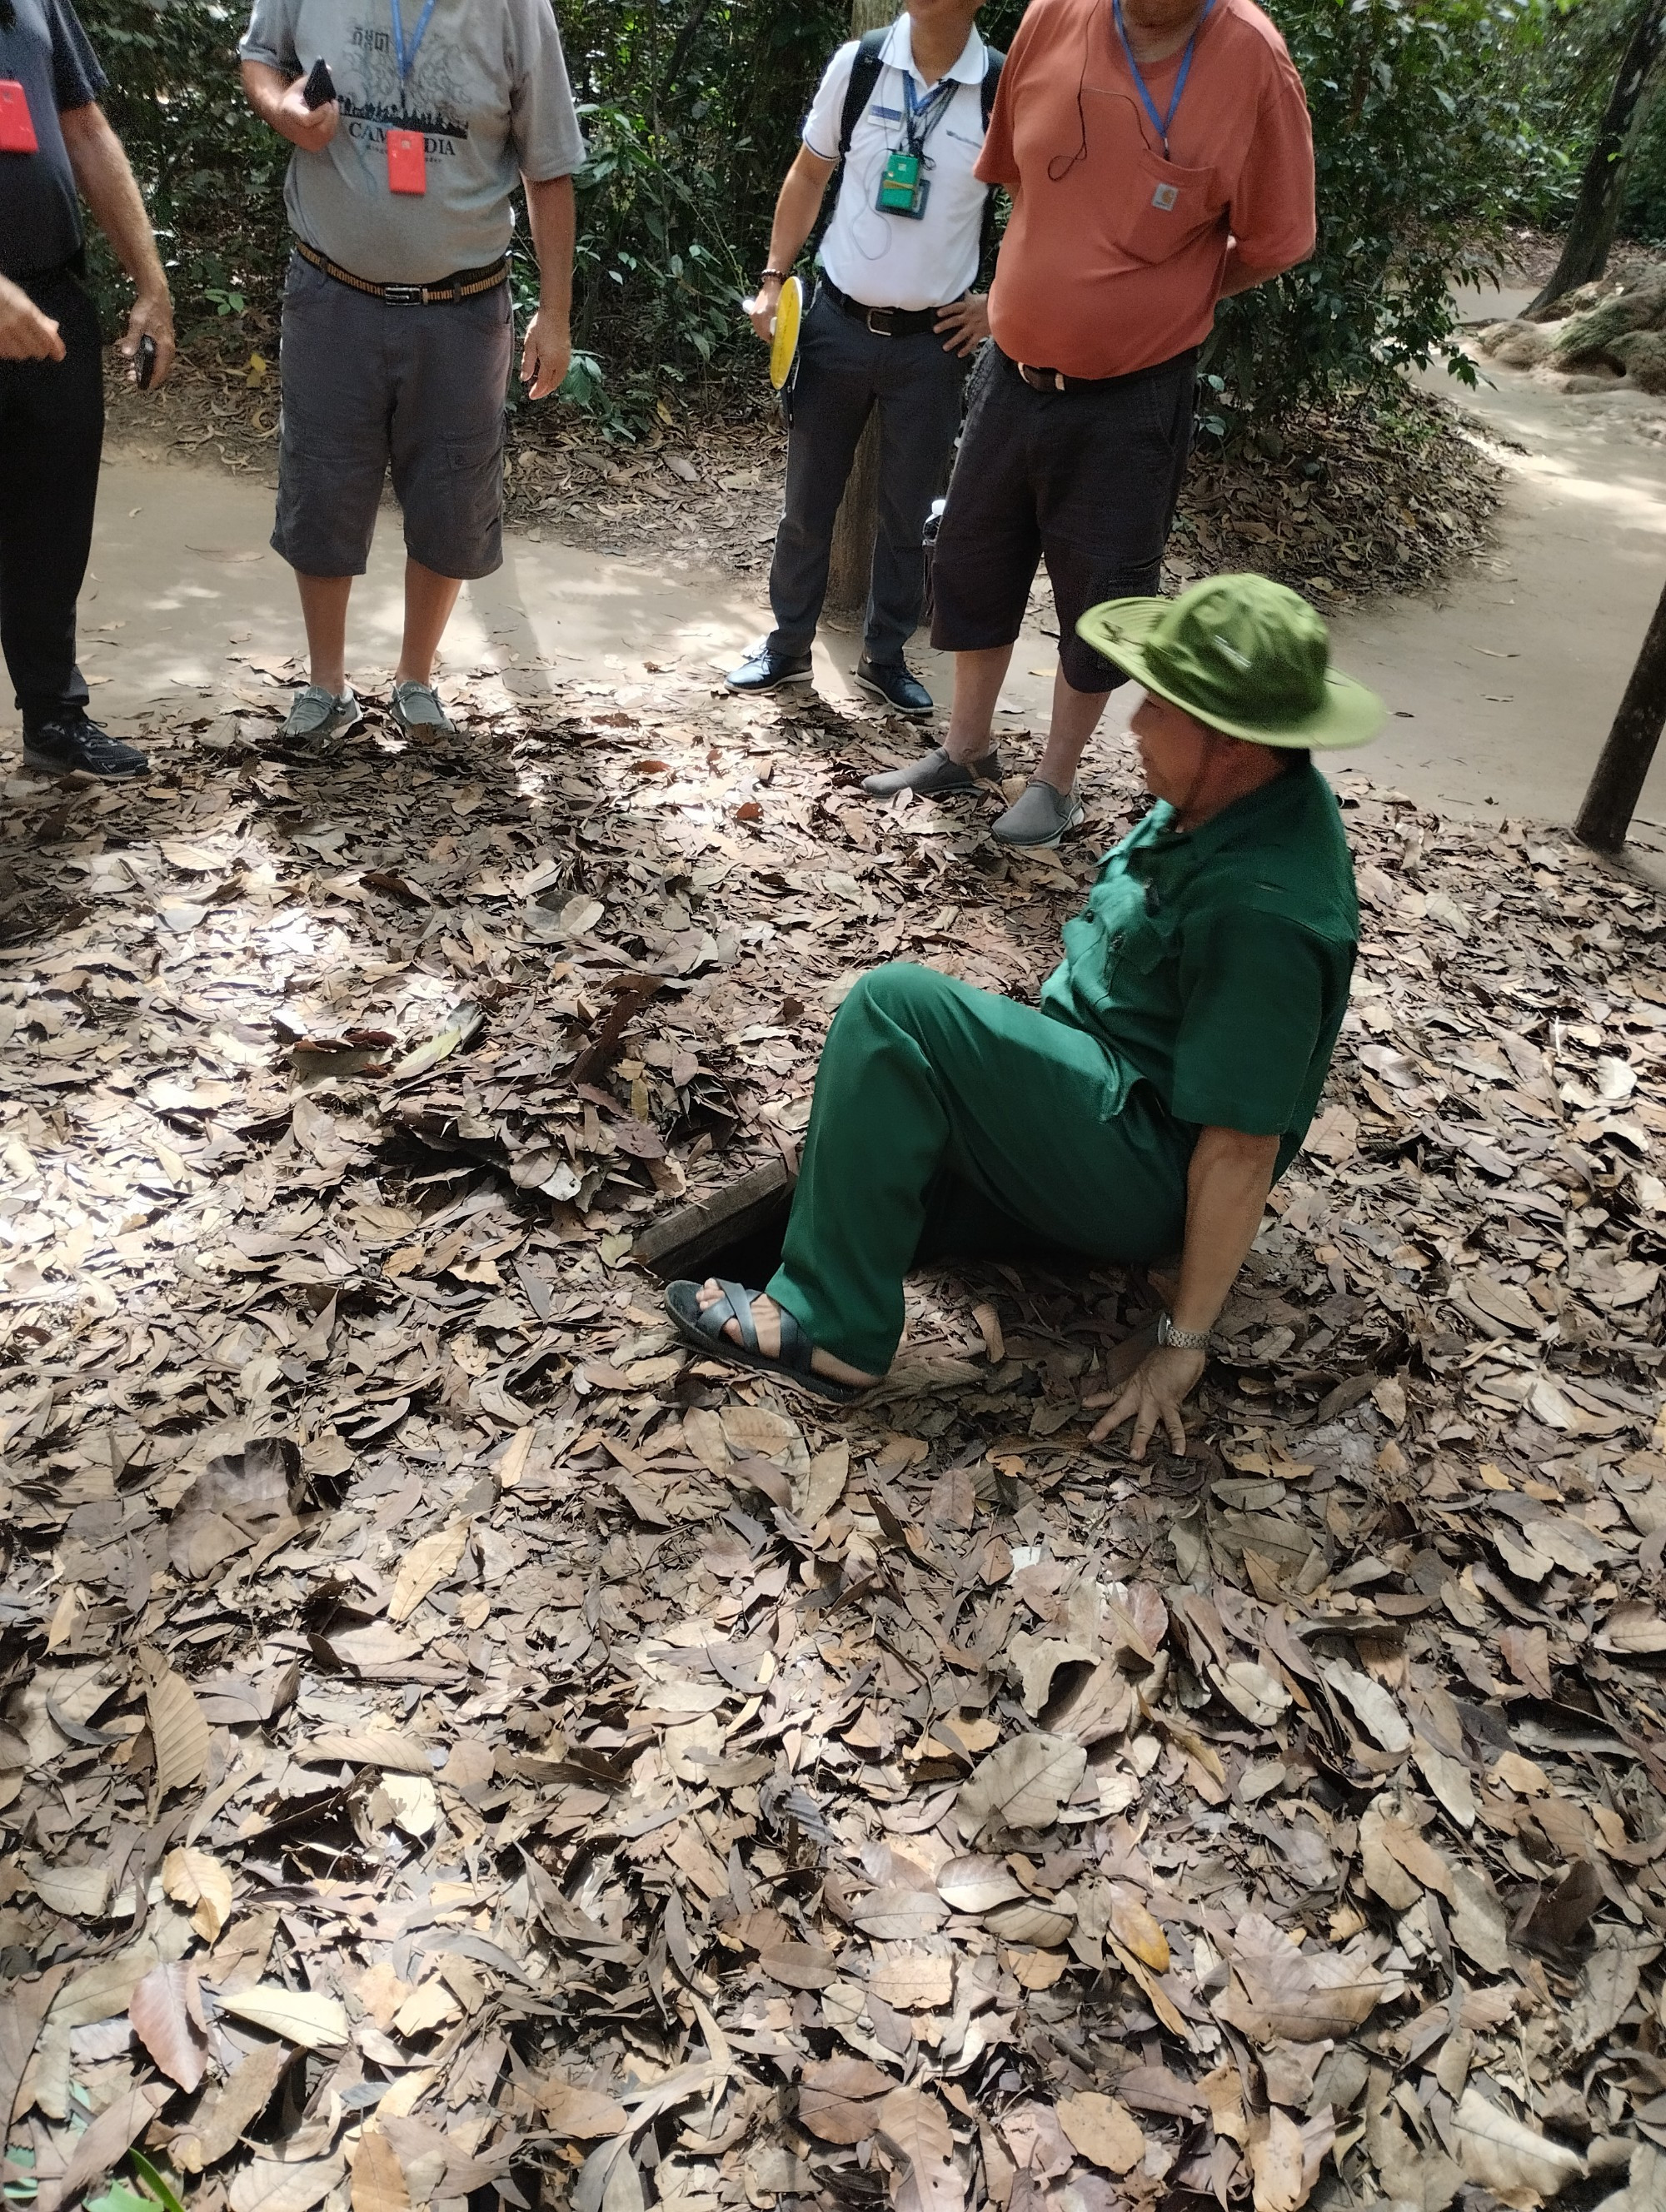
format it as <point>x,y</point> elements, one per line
<point>16,124</point>
<point>899,190</point>
<point>407,162</point>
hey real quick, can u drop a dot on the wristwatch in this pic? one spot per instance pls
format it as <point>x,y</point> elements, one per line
<point>1182,1339</point>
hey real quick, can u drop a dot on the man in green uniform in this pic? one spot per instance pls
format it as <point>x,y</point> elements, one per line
<point>1175,1061</point>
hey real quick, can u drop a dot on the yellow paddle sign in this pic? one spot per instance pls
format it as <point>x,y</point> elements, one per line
<point>789,312</point>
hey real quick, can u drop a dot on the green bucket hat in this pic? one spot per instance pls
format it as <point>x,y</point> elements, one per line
<point>1244,655</point>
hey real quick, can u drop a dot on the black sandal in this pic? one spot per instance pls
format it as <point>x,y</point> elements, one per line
<point>704,1331</point>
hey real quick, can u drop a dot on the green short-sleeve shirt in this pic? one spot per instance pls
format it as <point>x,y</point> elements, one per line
<point>1215,961</point>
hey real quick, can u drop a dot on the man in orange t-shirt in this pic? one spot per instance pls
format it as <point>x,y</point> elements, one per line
<point>1159,158</point>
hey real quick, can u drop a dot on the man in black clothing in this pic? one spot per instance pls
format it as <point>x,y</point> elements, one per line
<point>892,326</point>
<point>54,137</point>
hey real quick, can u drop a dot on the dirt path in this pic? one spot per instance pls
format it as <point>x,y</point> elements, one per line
<point>1502,682</point>
<point>1505,682</point>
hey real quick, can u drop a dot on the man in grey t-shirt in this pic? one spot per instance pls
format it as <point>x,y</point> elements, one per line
<point>397,320</point>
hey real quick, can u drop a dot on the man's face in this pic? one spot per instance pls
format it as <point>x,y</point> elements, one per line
<point>943,17</point>
<point>1172,746</point>
<point>1159,17</point>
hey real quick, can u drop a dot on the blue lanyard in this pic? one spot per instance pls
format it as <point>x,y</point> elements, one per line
<point>933,105</point>
<point>1164,123</point>
<point>406,56</point>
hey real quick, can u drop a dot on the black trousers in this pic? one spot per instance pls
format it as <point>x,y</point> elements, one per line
<point>845,370</point>
<point>52,436</point>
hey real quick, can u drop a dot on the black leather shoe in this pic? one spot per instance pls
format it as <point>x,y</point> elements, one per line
<point>935,776</point>
<point>72,745</point>
<point>895,682</point>
<point>763,670</point>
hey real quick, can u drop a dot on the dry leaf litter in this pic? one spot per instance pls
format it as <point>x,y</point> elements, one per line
<point>455,1746</point>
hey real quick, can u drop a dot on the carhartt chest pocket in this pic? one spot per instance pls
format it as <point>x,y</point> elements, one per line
<point>1175,206</point>
<point>1162,206</point>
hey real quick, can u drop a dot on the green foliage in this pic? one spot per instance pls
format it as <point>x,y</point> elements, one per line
<point>212,176</point>
<point>1642,213</point>
<point>1424,115</point>
<point>1425,130</point>
<point>1584,43</point>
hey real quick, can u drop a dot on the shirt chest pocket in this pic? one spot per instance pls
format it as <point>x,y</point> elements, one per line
<point>1158,206</point>
<point>1136,952</point>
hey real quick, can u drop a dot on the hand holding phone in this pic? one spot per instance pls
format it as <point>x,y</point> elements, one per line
<point>146,366</point>
<point>319,88</point>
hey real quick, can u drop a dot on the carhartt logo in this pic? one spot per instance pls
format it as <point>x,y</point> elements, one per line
<point>1165,197</point>
<point>1238,659</point>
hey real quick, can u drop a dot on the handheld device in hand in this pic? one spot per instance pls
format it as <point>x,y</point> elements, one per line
<point>147,362</point>
<point>319,88</point>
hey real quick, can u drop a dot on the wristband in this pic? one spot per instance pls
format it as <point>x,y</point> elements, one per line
<point>780,276</point>
<point>1182,1339</point>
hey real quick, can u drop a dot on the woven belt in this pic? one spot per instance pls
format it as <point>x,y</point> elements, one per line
<point>884,322</point>
<point>465,285</point>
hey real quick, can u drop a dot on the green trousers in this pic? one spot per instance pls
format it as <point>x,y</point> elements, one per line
<point>950,1121</point>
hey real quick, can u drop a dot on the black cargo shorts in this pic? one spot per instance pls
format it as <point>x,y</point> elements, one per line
<point>1086,480</point>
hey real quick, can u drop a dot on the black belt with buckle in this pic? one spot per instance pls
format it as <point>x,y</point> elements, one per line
<point>463,284</point>
<point>884,322</point>
<point>1054,380</point>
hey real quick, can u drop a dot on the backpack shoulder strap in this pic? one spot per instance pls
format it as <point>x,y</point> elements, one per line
<point>993,62</point>
<point>864,76</point>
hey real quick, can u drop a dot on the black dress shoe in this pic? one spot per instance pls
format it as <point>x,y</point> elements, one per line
<point>763,670</point>
<point>895,682</point>
<point>73,745</point>
<point>935,776</point>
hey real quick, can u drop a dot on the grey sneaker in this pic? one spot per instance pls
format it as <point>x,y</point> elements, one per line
<point>318,714</point>
<point>1038,816</point>
<point>416,708</point>
<point>935,774</point>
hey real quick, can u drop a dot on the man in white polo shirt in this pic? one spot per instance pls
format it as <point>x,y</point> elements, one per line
<point>893,324</point>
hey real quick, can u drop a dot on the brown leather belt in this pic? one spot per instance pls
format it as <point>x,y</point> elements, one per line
<point>884,322</point>
<point>465,285</point>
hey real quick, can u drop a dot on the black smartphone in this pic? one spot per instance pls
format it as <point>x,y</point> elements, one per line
<point>146,365</point>
<point>320,87</point>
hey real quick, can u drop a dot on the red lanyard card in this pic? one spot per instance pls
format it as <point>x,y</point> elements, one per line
<point>407,162</point>
<point>16,124</point>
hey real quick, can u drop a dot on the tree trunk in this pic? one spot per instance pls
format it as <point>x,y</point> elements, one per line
<point>859,510</point>
<point>1597,211</point>
<point>1615,788</point>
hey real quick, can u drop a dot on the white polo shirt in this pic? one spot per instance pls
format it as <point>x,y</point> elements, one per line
<point>894,260</point>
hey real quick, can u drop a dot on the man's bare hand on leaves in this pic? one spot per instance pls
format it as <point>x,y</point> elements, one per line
<point>1155,1393</point>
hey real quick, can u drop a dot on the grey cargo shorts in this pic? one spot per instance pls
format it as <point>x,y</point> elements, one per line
<point>366,384</point>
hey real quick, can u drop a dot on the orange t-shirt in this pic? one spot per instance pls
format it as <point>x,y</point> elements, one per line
<point>1114,261</point>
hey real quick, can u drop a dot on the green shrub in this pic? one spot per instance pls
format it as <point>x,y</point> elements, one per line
<point>212,176</point>
<point>1426,132</point>
<point>1425,118</point>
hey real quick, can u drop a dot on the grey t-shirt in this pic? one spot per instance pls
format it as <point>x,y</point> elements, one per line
<point>489,90</point>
